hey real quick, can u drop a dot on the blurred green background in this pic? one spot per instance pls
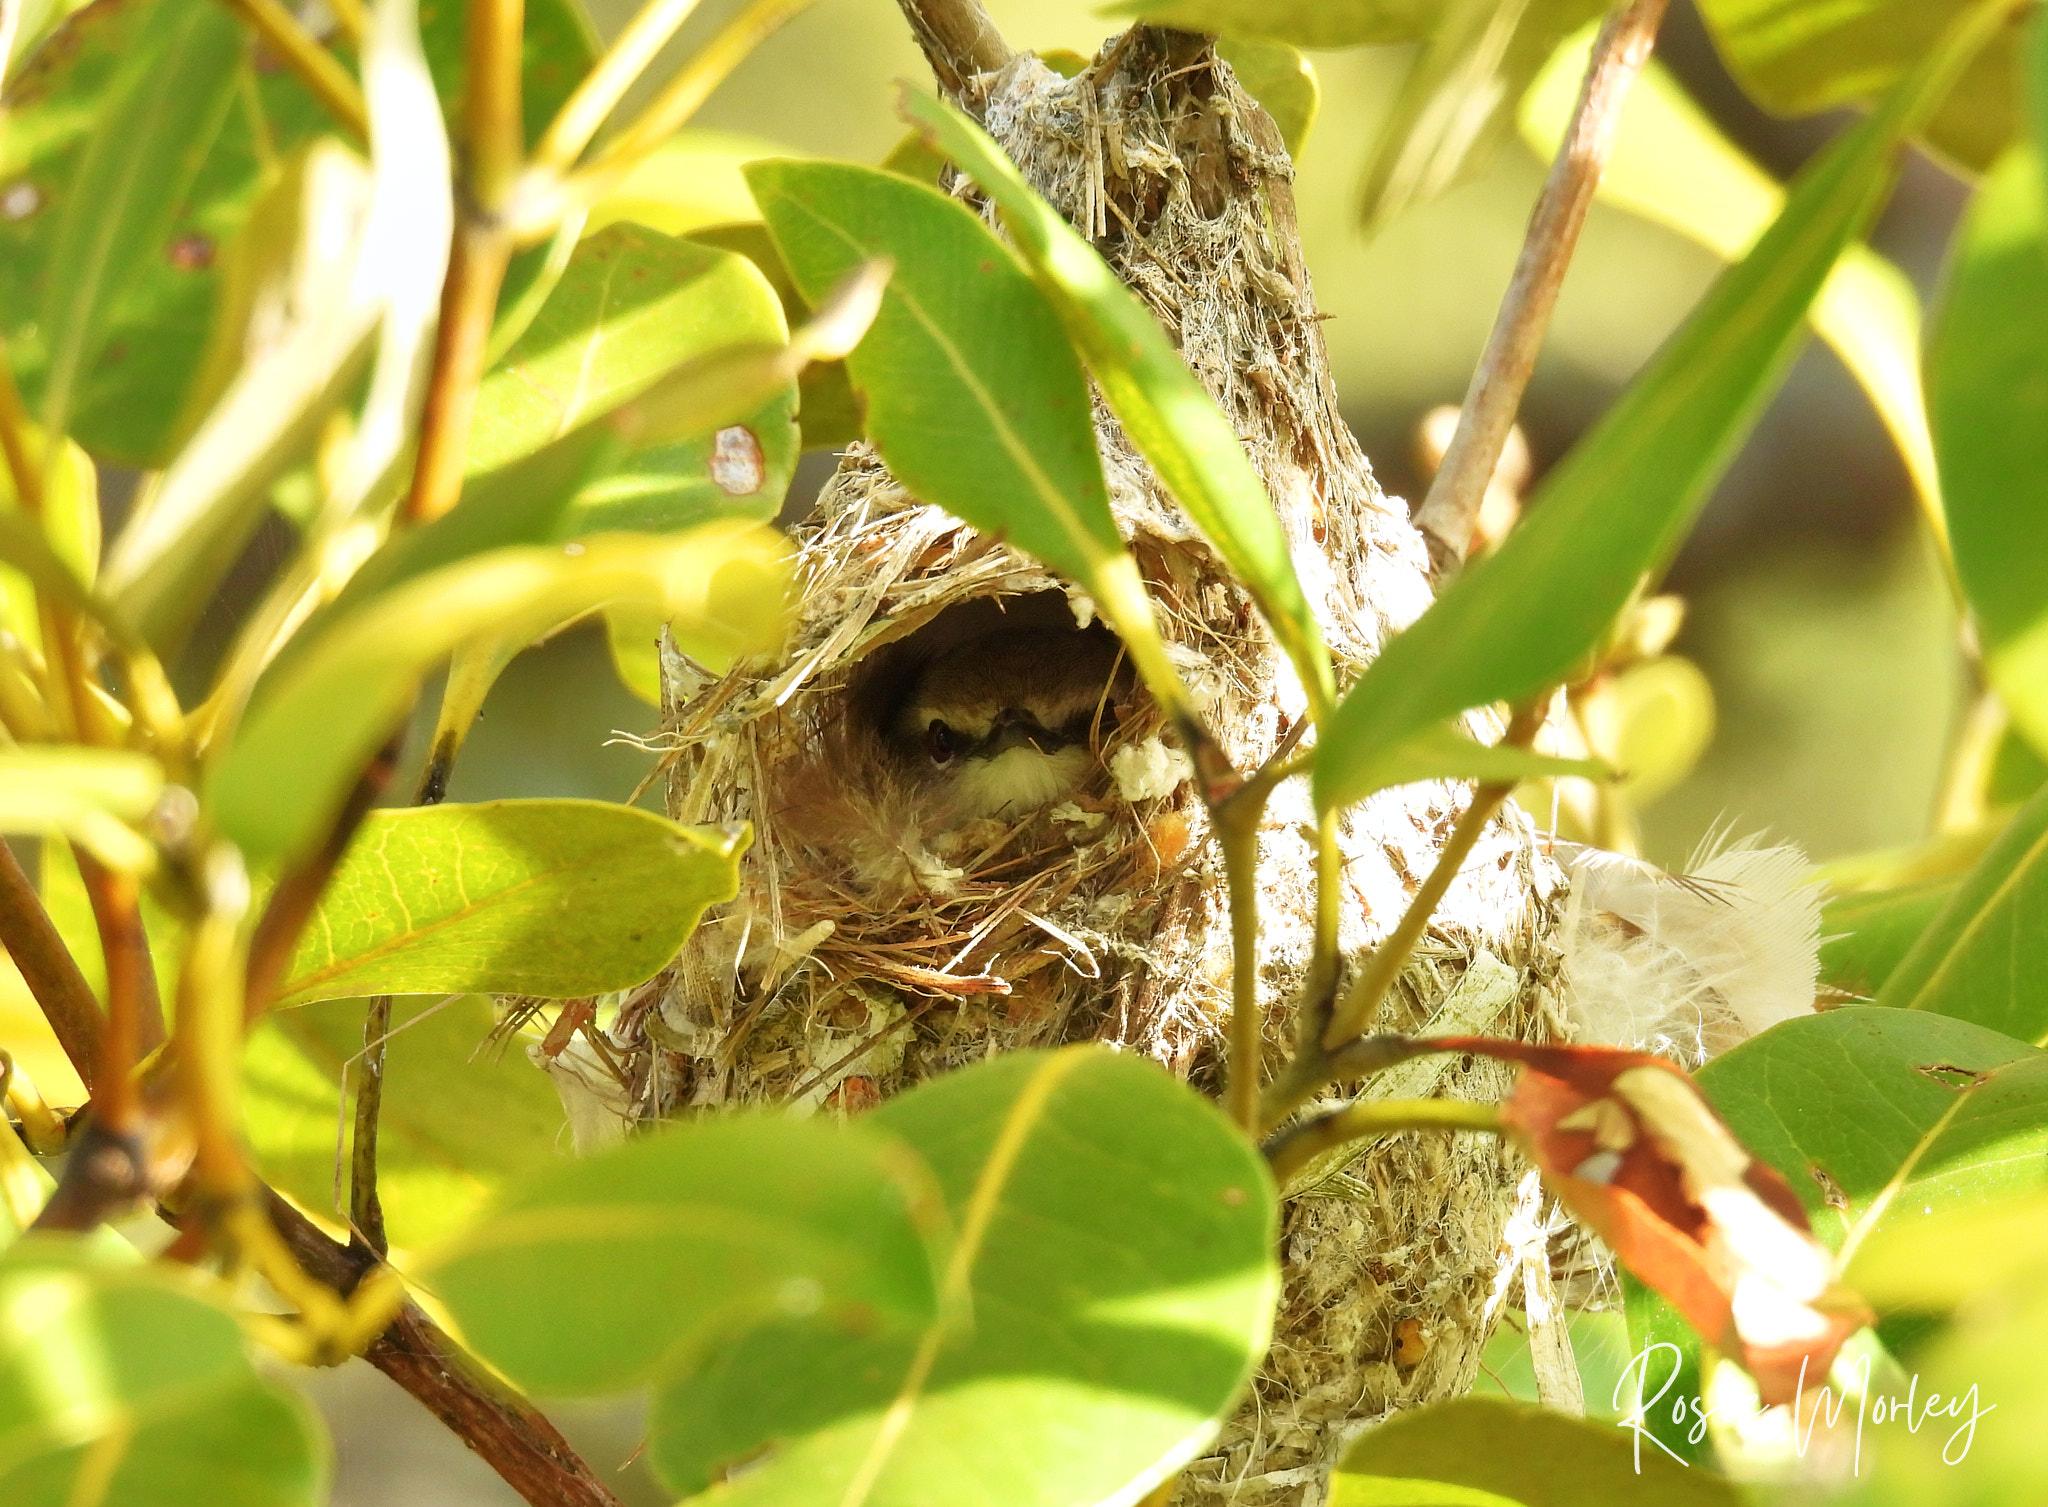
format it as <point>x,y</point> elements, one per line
<point>1816,609</point>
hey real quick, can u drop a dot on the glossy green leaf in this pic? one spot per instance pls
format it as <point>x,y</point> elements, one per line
<point>95,795</point>
<point>1304,23</point>
<point>632,305</point>
<point>1989,388</point>
<point>1980,1444</point>
<point>1882,1118</point>
<point>162,112</point>
<point>1458,99</point>
<point>136,401</point>
<point>1490,1450</point>
<point>974,397</point>
<point>583,483</point>
<point>829,411</point>
<point>1446,753</point>
<point>1946,1262</point>
<point>1795,58</point>
<point>1984,956</point>
<point>1618,504</point>
<point>120,1385</point>
<point>1281,80</point>
<point>607,1274</point>
<point>1884,1122</point>
<point>1109,1292</point>
<point>1865,934</point>
<point>1670,164</point>
<point>188,529</point>
<point>372,251</point>
<point>459,1118</point>
<point>315,726</point>
<point>70,526</point>
<point>555,898</point>
<point>692,181</point>
<point>1167,413</point>
<point>129,402</point>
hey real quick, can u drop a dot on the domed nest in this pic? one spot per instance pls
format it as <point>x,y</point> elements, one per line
<point>882,936</point>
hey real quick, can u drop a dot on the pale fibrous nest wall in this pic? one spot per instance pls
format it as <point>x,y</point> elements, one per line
<point>835,979</point>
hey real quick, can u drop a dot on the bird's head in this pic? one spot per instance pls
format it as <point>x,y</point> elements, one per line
<point>1002,723</point>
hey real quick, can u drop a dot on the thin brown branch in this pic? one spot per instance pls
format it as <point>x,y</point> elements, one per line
<point>48,968</point>
<point>469,299</point>
<point>317,68</point>
<point>1447,513</point>
<point>135,1010</point>
<point>958,38</point>
<point>511,1435</point>
<point>366,1209</point>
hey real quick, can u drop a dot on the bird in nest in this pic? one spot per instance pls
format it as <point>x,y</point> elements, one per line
<point>955,742</point>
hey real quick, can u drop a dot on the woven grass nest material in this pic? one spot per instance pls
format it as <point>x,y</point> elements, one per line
<point>1103,918</point>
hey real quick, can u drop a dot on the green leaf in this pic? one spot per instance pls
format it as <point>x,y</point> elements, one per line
<point>162,112</point>
<point>1304,23</point>
<point>459,1119</point>
<point>632,305</point>
<point>1984,956</point>
<point>1865,934</point>
<point>1281,80</point>
<point>553,496</point>
<point>188,529</point>
<point>1458,99</point>
<point>314,728</point>
<point>1981,1445</point>
<point>120,1386</point>
<point>975,399</point>
<point>1883,1119</point>
<point>1944,1263</point>
<point>1446,753</point>
<point>1670,164</point>
<point>135,403</point>
<point>1617,506</point>
<point>555,898</point>
<point>692,181</point>
<point>383,270</point>
<point>95,795</point>
<point>70,526</point>
<point>607,1274</point>
<point>1110,1290</point>
<point>1165,410</point>
<point>1989,388</point>
<point>1493,1450</point>
<point>830,411</point>
<point>1794,59</point>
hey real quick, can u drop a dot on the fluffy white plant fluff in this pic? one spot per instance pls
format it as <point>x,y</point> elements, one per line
<point>1688,965</point>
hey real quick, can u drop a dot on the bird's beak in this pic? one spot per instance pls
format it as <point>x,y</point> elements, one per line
<point>1016,728</point>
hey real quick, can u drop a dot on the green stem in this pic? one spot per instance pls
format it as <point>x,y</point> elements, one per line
<point>1392,955</point>
<point>318,69</point>
<point>1289,1153</point>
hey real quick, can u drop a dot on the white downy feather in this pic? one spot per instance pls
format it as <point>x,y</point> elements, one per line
<point>1688,965</point>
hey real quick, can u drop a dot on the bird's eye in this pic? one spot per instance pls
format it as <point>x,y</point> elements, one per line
<point>940,742</point>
